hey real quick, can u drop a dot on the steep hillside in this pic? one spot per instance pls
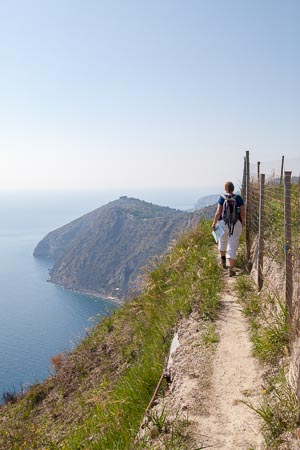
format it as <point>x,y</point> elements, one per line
<point>103,252</point>
<point>207,212</point>
<point>99,393</point>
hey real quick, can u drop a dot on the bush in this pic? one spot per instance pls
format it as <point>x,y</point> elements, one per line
<point>57,361</point>
<point>10,396</point>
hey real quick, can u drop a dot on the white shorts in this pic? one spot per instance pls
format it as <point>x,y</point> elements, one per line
<point>230,243</point>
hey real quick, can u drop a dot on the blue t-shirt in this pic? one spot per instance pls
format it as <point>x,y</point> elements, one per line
<point>238,198</point>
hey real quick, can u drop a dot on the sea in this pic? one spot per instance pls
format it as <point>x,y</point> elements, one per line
<point>40,319</point>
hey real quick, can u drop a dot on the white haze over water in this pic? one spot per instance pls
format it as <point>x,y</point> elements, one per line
<point>55,208</point>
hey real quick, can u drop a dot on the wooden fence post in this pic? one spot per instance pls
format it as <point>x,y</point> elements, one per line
<point>248,243</point>
<point>288,245</point>
<point>261,231</point>
<point>281,172</point>
<point>244,179</point>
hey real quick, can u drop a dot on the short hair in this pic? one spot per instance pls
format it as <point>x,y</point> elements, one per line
<point>229,186</point>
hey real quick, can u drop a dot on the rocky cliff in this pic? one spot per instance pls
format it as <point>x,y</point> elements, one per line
<point>103,252</point>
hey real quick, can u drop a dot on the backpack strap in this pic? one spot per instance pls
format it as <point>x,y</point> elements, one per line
<point>225,196</point>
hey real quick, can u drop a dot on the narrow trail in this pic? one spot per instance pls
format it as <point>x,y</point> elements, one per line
<point>229,423</point>
<point>209,385</point>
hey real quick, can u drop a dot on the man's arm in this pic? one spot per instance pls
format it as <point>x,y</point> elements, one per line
<point>217,215</point>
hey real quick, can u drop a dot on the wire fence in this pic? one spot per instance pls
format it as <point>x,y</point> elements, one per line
<point>272,193</point>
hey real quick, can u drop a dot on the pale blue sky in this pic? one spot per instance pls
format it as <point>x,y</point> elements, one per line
<point>145,93</point>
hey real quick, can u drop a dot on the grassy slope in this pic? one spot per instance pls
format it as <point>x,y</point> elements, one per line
<point>268,319</point>
<point>98,396</point>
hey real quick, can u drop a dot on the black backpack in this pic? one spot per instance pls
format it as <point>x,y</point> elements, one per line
<point>230,212</point>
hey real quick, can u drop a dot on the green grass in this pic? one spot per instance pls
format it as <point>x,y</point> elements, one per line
<point>270,340</point>
<point>248,297</point>
<point>241,260</point>
<point>268,319</point>
<point>99,395</point>
<point>278,410</point>
<point>210,335</point>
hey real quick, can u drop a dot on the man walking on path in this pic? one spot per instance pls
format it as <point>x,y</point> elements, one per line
<point>230,215</point>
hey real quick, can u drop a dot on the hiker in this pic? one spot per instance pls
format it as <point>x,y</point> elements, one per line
<point>230,215</point>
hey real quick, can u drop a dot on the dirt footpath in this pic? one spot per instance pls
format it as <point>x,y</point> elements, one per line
<point>209,384</point>
<point>230,424</point>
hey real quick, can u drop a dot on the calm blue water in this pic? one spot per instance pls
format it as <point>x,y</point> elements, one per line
<point>39,319</point>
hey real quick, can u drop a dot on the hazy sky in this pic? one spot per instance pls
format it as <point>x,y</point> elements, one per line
<point>145,93</point>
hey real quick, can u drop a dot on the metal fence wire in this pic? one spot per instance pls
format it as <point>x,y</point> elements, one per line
<point>272,193</point>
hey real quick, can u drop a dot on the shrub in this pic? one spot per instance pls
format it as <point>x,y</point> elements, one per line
<point>36,395</point>
<point>57,361</point>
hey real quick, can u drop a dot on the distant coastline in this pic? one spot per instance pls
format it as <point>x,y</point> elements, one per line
<point>99,296</point>
<point>96,294</point>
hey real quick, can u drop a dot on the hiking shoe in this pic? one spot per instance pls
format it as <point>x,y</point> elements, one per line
<point>223,262</point>
<point>231,272</point>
